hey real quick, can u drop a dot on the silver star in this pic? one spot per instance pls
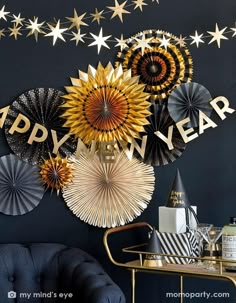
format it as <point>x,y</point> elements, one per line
<point>142,43</point>
<point>99,40</point>
<point>234,30</point>
<point>139,4</point>
<point>118,10</point>
<point>218,35</point>
<point>181,41</point>
<point>35,28</point>
<point>78,37</point>
<point>156,1</point>
<point>197,39</point>
<point>97,16</point>
<point>121,43</point>
<point>18,20</point>
<point>3,14</point>
<point>56,32</point>
<point>164,42</point>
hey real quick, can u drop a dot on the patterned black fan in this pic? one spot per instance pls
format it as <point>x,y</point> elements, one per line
<point>42,106</point>
<point>157,152</point>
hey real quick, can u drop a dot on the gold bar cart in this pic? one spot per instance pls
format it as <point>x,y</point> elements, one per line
<point>190,270</point>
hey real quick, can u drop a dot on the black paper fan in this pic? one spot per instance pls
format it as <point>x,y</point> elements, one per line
<point>186,100</point>
<point>157,152</point>
<point>159,68</point>
<point>21,188</point>
<point>42,106</point>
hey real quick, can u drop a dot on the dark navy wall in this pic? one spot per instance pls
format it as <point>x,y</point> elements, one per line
<point>207,166</point>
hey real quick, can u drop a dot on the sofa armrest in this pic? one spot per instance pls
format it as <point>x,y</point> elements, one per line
<point>95,286</point>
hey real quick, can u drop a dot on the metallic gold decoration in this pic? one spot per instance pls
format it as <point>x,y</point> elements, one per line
<point>18,20</point>
<point>56,173</point>
<point>15,31</point>
<point>78,37</point>
<point>186,100</point>
<point>161,63</point>
<point>118,10</point>
<point>56,32</point>
<point>197,39</point>
<point>99,40</point>
<point>97,16</point>
<point>157,152</point>
<point>21,189</point>
<point>35,28</point>
<point>106,105</point>
<point>3,13</point>
<point>37,109</point>
<point>76,21</point>
<point>218,35</point>
<point>109,194</point>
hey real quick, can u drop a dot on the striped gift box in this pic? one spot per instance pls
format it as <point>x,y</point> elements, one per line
<point>184,244</point>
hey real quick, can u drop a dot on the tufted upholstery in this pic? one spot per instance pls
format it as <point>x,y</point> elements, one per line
<point>40,270</point>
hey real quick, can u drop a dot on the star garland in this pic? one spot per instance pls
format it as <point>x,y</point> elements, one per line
<point>72,28</point>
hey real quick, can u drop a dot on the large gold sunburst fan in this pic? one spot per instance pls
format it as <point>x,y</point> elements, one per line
<point>56,173</point>
<point>106,104</point>
<point>109,194</point>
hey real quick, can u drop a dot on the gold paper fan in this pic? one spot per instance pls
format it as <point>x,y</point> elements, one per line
<point>56,173</point>
<point>162,66</point>
<point>109,194</point>
<point>106,104</point>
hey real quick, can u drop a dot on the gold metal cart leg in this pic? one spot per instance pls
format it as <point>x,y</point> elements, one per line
<point>181,288</point>
<point>133,285</point>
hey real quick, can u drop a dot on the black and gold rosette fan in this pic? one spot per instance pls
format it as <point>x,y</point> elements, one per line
<point>160,59</point>
<point>157,152</point>
<point>39,106</point>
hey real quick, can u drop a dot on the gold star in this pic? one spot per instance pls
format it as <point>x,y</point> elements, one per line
<point>99,40</point>
<point>56,32</point>
<point>76,21</point>
<point>118,10</point>
<point>164,42</point>
<point>18,20</point>
<point>139,4</point>
<point>142,43</point>
<point>2,33</point>
<point>234,30</point>
<point>35,28</point>
<point>78,37</point>
<point>121,42</point>
<point>97,16</point>
<point>197,39</point>
<point>181,41</point>
<point>218,35</point>
<point>3,14</point>
<point>15,31</point>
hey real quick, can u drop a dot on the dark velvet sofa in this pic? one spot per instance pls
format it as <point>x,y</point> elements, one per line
<point>50,273</point>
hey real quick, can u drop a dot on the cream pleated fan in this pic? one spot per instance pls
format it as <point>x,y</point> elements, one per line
<point>109,194</point>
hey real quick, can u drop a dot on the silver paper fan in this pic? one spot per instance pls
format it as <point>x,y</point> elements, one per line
<point>186,100</point>
<point>109,194</point>
<point>42,106</point>
<point>21,189</point>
